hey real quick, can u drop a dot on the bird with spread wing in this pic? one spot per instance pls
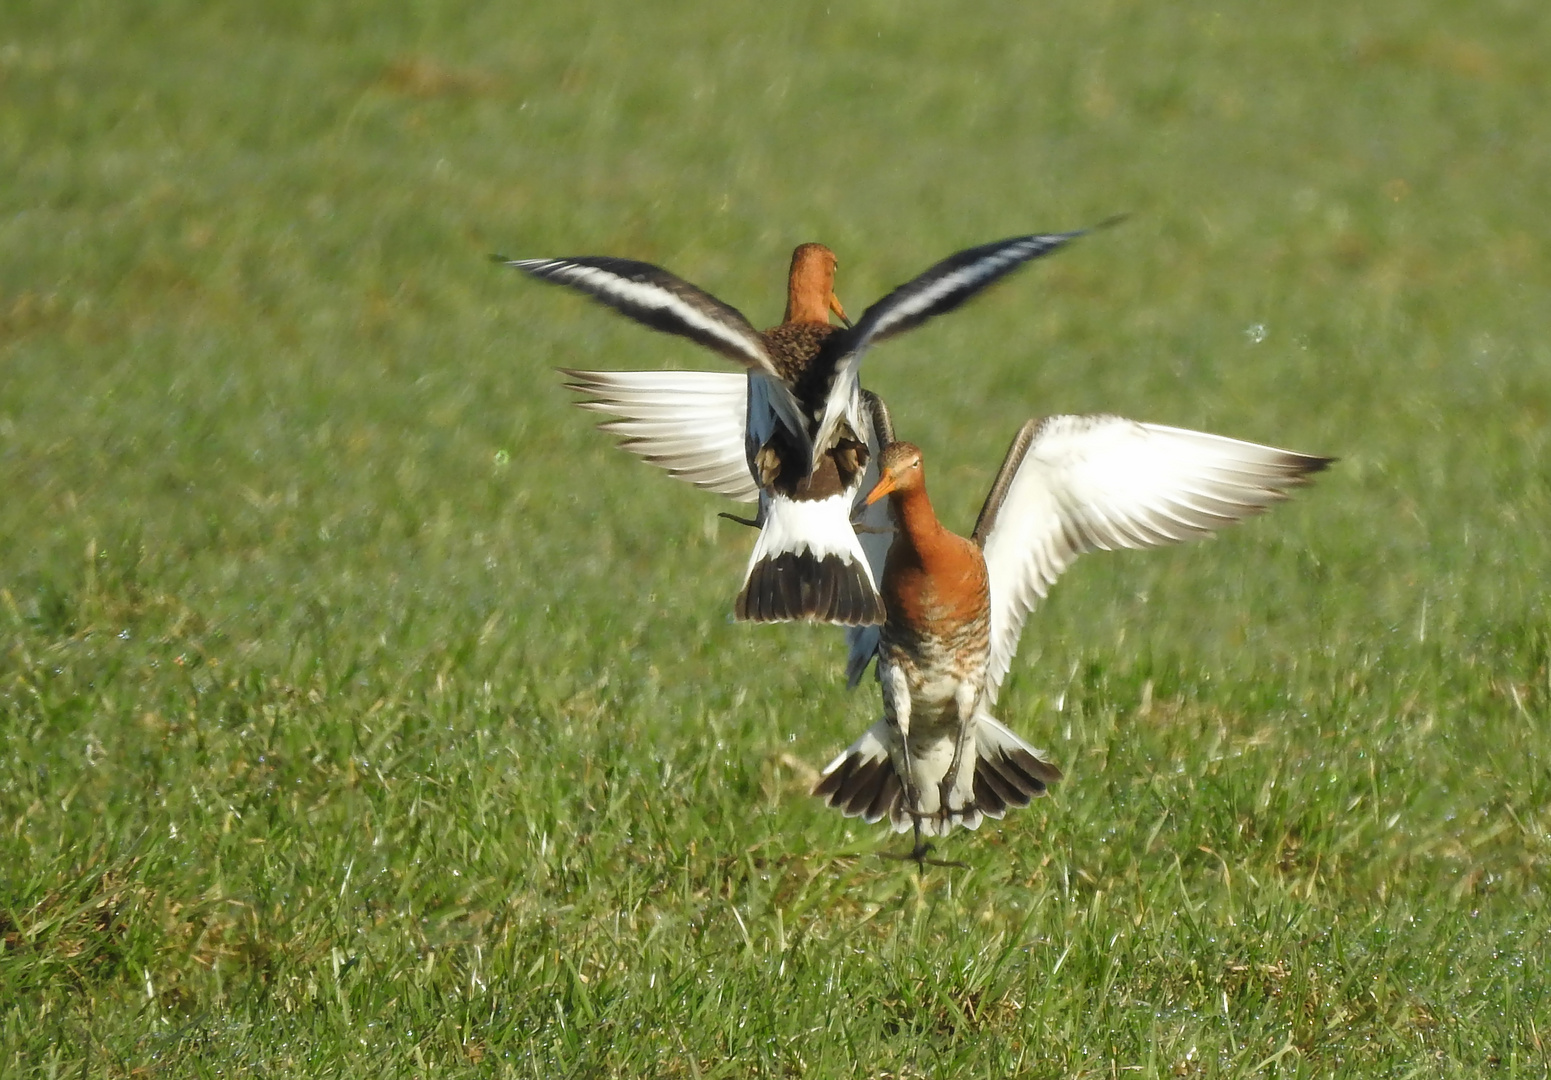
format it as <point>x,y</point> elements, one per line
<point>956,606</point>
<point>804,428</point>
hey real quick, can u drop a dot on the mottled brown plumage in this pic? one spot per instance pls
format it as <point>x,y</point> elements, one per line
<point>794,344</point>
<point>937,759</point>
<point>935,639</point>
<point>807,433</point>
<point>956,607</point>
<point>808,583</point>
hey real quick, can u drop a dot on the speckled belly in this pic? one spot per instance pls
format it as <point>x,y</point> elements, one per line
<point>935,664</point>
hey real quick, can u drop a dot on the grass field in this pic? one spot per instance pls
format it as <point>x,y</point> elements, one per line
<point>364,713</point>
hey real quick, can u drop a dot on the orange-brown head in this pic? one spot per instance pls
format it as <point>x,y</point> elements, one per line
<point>810,288</point>
<point>899,471</point>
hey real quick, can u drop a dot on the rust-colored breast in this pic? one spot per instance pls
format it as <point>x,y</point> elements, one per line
<point>934,586</point>
<point>937,603</point>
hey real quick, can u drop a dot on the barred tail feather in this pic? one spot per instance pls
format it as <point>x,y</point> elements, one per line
<point>861,781</point>
<point>1004,773</point>
<point>1009,773</point>
<point>808,564</point>
<point>793,586</point>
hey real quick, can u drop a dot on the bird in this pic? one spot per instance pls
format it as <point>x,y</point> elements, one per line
<point>691,424</point>
<point>805,430</point>
<point>956,606</point>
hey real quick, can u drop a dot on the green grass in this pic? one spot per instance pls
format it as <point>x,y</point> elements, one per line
<point>364,713</point>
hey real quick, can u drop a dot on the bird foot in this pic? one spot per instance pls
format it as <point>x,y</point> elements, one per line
<point>750,522</point>
<point>918,854</point>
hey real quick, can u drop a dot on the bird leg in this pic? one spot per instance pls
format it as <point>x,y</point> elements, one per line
<point>919,853</point>
<point>897,708</point>
<point>750,522</point>
<point>966,698</point>
<point>896,700</point>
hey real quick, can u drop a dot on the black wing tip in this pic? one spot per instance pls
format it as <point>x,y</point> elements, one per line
<point>1061,239</point>
<point>1300,469</point>
<point>581,380</point>
<point>1056,241</point>
<point>527,266</point>
<point>802,587</point>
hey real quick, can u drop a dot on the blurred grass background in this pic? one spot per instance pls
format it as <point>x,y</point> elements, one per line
<point>363,712</point>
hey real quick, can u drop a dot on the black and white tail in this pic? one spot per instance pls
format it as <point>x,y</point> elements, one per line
<point>863,782</point>
<point>808,564</point>
<point>1007,773</point>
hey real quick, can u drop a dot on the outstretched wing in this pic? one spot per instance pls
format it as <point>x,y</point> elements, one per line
<point>662,301</point>
<point>949,283</point>
<point>653,297</point>
<point>1071,484</point>
<point>687,422</point>
<point>939,290</point>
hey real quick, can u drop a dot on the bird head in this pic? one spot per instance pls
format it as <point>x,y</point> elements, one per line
<point>899,471</point>
<point>810,289</point>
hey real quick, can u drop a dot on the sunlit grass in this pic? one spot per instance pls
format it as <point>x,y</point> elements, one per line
<point>363,712</point>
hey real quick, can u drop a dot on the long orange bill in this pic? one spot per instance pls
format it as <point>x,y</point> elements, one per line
<point>834,305</point>
<point>884,485</point>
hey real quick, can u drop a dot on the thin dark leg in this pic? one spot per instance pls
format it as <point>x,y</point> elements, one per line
<point>960,742</point>
<point>922,849</point>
